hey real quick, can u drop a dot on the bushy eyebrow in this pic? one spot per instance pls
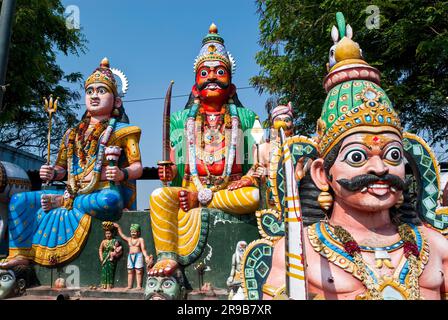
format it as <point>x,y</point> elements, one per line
<point>352,143</point>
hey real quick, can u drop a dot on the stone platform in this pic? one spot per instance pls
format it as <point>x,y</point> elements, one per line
<point>48,293</point>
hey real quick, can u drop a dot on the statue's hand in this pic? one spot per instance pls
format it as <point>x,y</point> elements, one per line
<point>240,184</point>
<point>229,281</point>
<point>259,172</point>
<point>114,174</point>
<point>166,173</point>
<point>50,201</point>
<point>47,172</point>
<point>149,261</point>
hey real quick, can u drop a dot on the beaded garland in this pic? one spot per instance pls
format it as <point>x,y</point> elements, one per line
<point>206,194</point>
<point>103,138</point>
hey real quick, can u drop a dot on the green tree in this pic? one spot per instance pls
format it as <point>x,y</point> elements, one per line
<point>410,48</point>
<point>39,33</point>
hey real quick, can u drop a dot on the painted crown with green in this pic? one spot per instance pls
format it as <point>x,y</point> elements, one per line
<point>355,102</point>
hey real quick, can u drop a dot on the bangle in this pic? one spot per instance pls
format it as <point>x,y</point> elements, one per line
<point>126,174</point>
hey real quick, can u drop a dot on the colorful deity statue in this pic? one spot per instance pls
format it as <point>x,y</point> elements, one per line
<point>137,252</point>
<point>109,252</point>
<point>211,148</point>
<point>280,117</point>
<point>373,243</point>
<point>50,227</point>
<point>15,281</point>
<point>165,287</point>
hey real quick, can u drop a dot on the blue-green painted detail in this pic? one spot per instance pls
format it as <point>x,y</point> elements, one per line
<point>273,226</point>
<point>256,269</point>
<point>298,150</point>
<point>424,168</point>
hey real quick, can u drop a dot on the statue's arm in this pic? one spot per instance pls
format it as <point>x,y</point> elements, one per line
<point>120,233</point>
<point>62,158</point>
<point>132,152</point>
<point>444,287</point>
<point>100,251</point>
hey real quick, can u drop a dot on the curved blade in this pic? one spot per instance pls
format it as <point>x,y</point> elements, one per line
<point>166,125</point>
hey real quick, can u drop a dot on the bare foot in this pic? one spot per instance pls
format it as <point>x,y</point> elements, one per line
<point>14,262</point>
<point>163,268</point>
<point>188,200</point>
<point>51,201</point>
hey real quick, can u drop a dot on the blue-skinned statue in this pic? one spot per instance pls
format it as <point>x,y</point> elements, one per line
<point>49,227</point>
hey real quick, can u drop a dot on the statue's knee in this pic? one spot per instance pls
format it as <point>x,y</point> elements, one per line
<point>113,199</point>
<point>156,193</point>
<point>19,202</point>
<point>253,193</point>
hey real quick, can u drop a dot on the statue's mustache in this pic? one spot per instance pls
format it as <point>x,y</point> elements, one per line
<point>362,181</point>
<point>221,84</point>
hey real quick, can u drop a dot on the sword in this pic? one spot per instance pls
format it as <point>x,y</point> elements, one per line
<point>166,145</point>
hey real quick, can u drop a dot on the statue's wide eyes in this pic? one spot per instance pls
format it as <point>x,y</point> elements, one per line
<point>152,283</point>
<point>393,154</point>
<point>6,278</point>
<point>221,72</point>
<point>167,284</point>
<point>204,73</point>
<point>355,157</point>
<point>89,91</point>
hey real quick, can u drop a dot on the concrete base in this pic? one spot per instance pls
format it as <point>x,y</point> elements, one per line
<point>47,293</point>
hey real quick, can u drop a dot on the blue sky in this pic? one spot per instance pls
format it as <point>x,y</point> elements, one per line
<point>154,42</point>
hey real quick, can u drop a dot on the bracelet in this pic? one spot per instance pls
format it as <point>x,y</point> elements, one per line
<point>126,174</point>
<point>251,179</point>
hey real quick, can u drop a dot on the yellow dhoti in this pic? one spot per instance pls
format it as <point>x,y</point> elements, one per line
<point>179,234</point>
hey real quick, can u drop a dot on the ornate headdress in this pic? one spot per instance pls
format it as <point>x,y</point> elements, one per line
<point>105,75</point>
<point>213,49</point>
<point>355,101</point>
<point>280,110</point>
<point>108,226</point>
<point>135,227</point>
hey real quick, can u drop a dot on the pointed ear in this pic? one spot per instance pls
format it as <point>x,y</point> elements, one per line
<point>335,34</point>
<point>118,102</point>
<point>349,31</point>
<point>318,174</point>
<point>232,90</point>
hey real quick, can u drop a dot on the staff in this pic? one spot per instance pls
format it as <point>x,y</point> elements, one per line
<point>50,107</point>
<point>296,284</point>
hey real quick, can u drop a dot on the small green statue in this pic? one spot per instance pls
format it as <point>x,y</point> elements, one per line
<point>110,251</point>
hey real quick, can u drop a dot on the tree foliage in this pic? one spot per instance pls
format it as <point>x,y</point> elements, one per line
<point>39,33</point>
<point>410,48</point>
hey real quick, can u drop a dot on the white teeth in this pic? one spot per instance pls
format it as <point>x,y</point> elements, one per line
<point>379,186</point>
<point>363,190</point>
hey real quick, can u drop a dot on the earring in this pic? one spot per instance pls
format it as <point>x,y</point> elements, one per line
<point>115,112</point>
<point>400,201</point>
<point>325,199</point>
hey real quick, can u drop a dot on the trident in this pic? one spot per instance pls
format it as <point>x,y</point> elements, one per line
<point>50,107</point>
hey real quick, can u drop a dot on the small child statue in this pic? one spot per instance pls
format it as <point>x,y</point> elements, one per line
<point>137,251</point>
<point>110,251</point>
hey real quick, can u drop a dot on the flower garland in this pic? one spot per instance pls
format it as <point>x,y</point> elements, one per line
<point>411,253</point>
<point>85,150</point>
<point>205,195</point>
